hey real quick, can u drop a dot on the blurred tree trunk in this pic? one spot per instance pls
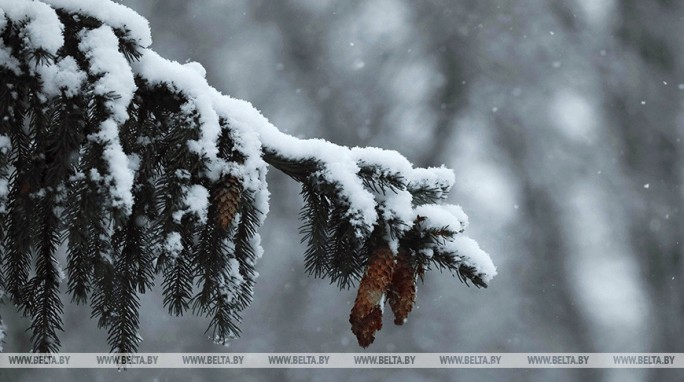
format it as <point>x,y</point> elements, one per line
<point>646,106</point>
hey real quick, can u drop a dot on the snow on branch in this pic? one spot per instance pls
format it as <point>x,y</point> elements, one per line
<point>119,17</point>
<point>156,172</point>
<point>42,30</point>
<point>115,82</point>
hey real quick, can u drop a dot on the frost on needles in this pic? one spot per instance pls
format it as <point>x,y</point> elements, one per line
<point>141,170</point>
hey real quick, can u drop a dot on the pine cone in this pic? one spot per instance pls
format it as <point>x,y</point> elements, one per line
<point>227,201</point>
<point>366,328</point>
<point>402,290</point>
<point>366,314</point>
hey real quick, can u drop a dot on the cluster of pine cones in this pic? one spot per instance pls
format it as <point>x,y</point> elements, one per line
<point>388,278</point>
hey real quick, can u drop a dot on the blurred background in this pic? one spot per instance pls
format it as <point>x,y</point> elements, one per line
<point>562,121</point>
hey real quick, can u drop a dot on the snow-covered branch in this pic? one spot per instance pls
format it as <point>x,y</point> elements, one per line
<point>161,173</point>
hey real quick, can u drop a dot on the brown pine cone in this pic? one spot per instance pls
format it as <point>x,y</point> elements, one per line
<point>366,314</point>
<point>366,328</point>
<point>402,290</point>
<point>227,201</point>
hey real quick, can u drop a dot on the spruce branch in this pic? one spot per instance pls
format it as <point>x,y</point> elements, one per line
<point>141,169</point>
<point>44,305</point>
<point>315,230</point>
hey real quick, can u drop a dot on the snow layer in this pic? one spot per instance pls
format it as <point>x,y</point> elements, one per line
<point>100,46</point>
<point>5,144</point>
<point>197,200</point>
<point>63,75</point>
<point>173,244</point>
<point>191,83</point>
<point>442,215</point>
<point>339,165</point>
<point>440,178</point>
<point>7,61</point>
<point>470,254</point>
<point>115,15</point>
<point>43,29</point>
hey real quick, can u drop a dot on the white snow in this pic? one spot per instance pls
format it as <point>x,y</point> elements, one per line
<point>182,174</point>
<point>442,215</point>
<point>255,242</point>
<point>338,164</point>
<point>440,178</point>
<point>5,144</point>
<point>43,30</point>
<point>115,15</point>
<point>471,254</point>
<point>95,175</point>
<point>63,75</point>
<point>234,271</point>
<point>173,244</point>
<point>197,67</point>
<point>4,189</point>
<point>398,206</point>
<point>4,192</point>
<point>134,162</point>
<point>188,81</point>
<point>458,213</point>
<point>197,201</point>
<point>7,60</point>
<point>386,159</point>
<point>119,169</point>
<point>100,46</point>
<point>466,249</point>
<point>230,282</point>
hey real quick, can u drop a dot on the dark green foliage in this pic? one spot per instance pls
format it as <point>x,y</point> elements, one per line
<point>379,180</point>
<point>178,280</point>
<point>245,251</point>
<point>132,272</point>
<point>41,299</point>
<point>315,231</point>
<point>345,265</point>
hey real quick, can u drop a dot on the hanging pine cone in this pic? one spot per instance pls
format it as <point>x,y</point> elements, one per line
<point>366,314</point>
<point>227,200</point>
<point>366,328</point>
<point>402,290</point>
